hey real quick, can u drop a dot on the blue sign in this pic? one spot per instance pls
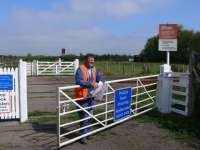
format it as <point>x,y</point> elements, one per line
<point>122,103</point>
<point>6,82</point>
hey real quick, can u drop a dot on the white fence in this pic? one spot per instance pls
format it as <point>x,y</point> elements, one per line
<point>142,100</point>
<point>173,93</point>
<point>180,93</point>
<point>13,102</point>
<point>10,98</point>
<point>30,69</point>
<point>52,68</point>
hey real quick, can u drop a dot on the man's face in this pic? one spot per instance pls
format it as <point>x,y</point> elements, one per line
<point>91,61</point>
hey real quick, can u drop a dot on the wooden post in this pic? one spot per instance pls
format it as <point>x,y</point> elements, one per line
<point>123,69</point>
<point>194,86</point>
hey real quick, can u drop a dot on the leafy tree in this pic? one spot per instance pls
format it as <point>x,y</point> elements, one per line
<point>187,41</point>
<point>195,42</point>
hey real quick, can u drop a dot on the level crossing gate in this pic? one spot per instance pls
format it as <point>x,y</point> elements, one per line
<point>143,95</point>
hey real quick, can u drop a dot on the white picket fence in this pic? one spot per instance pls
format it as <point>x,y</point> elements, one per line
<point>12,108</point>
<point>180,93</point>
<point>37,68</point>
<point>13,103</point>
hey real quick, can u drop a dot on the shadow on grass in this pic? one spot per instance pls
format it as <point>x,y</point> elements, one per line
<point>183,128</point>
<point>45,126</point>
<point>173,122</point>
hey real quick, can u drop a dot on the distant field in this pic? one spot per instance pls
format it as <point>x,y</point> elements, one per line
<point>123,68</point>
<point>134,68</point>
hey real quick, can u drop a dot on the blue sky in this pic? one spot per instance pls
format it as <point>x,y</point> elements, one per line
<point>82,26</point>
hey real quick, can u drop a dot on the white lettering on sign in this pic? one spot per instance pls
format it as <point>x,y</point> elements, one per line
<point>123,92</point>
<point>4,102</point>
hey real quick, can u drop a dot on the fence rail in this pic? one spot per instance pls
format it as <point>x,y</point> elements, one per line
<point>142,100</point>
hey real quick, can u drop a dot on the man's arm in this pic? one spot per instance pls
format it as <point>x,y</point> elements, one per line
<point>80,81</point>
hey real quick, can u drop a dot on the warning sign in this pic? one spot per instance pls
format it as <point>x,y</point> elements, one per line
<point>168,37</point>
<point>122,106</point>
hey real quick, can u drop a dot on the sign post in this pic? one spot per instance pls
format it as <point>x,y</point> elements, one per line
<point>168,39</point>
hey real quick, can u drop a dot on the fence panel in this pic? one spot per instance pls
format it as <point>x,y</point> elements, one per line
<point>10,98</point>
<point>179,94</point>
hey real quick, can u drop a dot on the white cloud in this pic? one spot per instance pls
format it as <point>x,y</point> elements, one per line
<point>73,10</point>
<point>77,40</point>
<point>73,24</point>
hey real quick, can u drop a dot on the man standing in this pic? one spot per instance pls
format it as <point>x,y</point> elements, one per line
<point>87,77</point>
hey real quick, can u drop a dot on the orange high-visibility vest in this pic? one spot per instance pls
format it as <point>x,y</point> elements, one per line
<point>81,91</point>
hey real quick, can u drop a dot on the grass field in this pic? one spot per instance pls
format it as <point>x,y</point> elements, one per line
<point>124,68</point>
<point>134,69</point>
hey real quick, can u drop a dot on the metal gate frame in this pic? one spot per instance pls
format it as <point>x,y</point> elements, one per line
<point>139,106</point>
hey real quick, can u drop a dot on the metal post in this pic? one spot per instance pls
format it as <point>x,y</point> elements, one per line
<point>56,69</point>
<point>168,57</point>
<point>59,61</point>
<point>58,115</point>
<point>37,68</point>
<point>76,65</point>
<point>136,100</point>
<point>106,114</point>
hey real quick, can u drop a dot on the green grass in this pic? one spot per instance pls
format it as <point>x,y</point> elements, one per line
<point>182,128</point>
<point>134,68</point>
<point>42,117</point>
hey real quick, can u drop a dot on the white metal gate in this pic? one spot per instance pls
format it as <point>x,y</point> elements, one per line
<point>143,100</point>
<point>180,93</point>
<point>56,68</point>
<point>10,99</point>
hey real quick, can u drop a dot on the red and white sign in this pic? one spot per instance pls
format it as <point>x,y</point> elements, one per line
<point>4,102</point>
<point>168,37</point>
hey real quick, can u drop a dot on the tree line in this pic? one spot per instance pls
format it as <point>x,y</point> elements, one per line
<point>188,41</point>
<point>70,57</point>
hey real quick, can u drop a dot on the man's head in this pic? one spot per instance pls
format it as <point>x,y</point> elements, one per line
<point>90,60</point>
